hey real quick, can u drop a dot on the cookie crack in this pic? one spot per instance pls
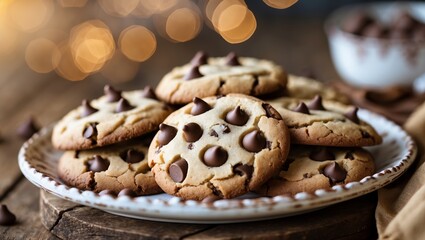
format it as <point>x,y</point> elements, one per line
<point>219,89</point>
<point>254,85</point>
<point>312,122</point>
<point>174,91</point>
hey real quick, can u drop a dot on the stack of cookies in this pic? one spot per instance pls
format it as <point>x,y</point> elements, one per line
<point>104,150</point>
<point>224,142</point>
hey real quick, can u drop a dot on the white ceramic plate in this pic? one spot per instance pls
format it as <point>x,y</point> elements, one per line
<point>38,162</point>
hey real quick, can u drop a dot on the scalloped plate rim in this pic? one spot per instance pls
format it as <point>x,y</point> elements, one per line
<point>222,211</point>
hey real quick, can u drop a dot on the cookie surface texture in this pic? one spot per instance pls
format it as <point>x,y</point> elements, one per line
<point>114,168</point>
<point>309,168</point>
<point>327,123</point>
<point>216,77</point>
<point>108,120</point>
<point>306,88</point>
<point>218,146</point>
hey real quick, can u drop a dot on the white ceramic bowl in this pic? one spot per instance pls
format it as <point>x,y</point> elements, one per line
<point>371,62</point>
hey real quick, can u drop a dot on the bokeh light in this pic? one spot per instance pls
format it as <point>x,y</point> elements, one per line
<point>243,32</point>
<point>231,17</point>
<point>137,43</point>
<point>183,24</point>
<point>66,66</point>
<point>119,8</point>
<point>92,44</point>
<point>72,3</point>
<point>42,55</point>
<point>8,39</point>
<point>56,35</point>
<point>280,4</point>
<point>120,69</point>
<point>234,21</point>
<point>30,15</point>
<point>217,10</point>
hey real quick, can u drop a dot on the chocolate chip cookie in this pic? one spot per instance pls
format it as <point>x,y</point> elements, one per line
<point>117,168</point>
<point>206,76</point>
<point>327,123</point>
<point>309,168</point>
<point>114,117</point>
<point>306,88</point>
<point>218,146</point>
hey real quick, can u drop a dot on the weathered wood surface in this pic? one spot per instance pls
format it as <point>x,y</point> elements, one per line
<point>349,220</point>
<point>24,204</point>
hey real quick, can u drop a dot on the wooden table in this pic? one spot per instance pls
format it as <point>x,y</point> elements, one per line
<point>297,44</point>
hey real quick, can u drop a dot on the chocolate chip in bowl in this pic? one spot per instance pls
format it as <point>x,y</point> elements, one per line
<point>378,45</point>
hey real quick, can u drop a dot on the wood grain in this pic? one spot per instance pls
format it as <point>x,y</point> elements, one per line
<point>23,203</point>
<point>349,220</point>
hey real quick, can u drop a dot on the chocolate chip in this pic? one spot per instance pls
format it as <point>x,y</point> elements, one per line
<point>98,164</point>
<point>199,59</point>
<point>210,199</point>
<point>349,155</point>
<point>254,141</point>
<point>132,156</point>
<point>127,192</point>
<point>365,134</point>
<point>419,34</point>
<point>90,132</point>
<point>301,108</point>
<point>316,103</point>
<point>232,59</point>
<point>193,73</point>
<point>357,22</point>
<point>237,117</point>
<point>374,30</point>
<point>213,133</point>
<point>243,169</point>
<point>178,170</point>
<point>192,132</point>
<point>399,34</point>
<point>225,128</point>
<point>352,115</point>
<point>271,112</point>
<point>111,94</point>
<point>27,129</point>
<point>405,22</point>
<point>7,218</point>
<point>107,192</point>
<point>199,107</point>
<point>334,172</point>
<point>215,156</point>
<point>148,92</point>
<point>322,154</point>
<point>77,154</point>
<point>286,164</point>
<point>166,134</point>
<point>87,109</point>
<point>123,106</point>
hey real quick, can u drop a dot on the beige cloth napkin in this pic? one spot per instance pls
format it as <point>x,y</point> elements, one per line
<point>400,213</point>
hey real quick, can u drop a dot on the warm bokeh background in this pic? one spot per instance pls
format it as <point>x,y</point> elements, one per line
<point>119,41</point>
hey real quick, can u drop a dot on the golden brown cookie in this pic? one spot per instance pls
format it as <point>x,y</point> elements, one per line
<point>114,117</point>
<point>312,122</point>
<point>309,168</point>
<point>119,167</point>
<point>205,77</point>
<point>219,146</point>
<point>307,88</point>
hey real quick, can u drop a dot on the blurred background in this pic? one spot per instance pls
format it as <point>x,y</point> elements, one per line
<point>53,53</point>
<point>119,41</point>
